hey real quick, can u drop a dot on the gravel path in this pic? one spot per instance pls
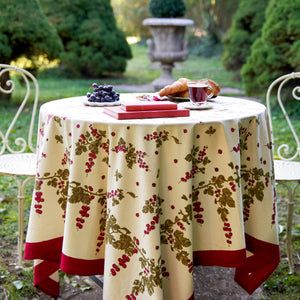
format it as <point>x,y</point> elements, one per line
<point>210,283</point>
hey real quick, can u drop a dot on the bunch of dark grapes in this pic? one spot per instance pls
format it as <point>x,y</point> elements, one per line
<point>103,93</point>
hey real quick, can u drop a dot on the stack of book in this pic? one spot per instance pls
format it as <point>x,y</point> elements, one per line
<point>143,110</point>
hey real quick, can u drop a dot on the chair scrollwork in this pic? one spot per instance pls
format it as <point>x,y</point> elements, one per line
<point>284,151</point>
<point>7,87</point>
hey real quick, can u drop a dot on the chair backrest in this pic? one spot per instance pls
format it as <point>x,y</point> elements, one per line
<point>284,150</point>
<point>32,89</point>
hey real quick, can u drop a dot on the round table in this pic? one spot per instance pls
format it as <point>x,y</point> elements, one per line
<point>142,201</point>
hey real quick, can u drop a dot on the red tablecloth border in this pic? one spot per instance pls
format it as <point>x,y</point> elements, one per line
<point>250,272</point>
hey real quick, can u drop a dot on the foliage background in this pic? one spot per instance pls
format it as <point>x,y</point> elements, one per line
<point>244,30</point>
<point>277,51</point>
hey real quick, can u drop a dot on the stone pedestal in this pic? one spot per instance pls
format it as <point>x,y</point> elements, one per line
<point>167,46</point>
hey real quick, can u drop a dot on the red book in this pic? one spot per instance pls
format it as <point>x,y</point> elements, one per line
<point>118,113</point>
<point>146,105</point>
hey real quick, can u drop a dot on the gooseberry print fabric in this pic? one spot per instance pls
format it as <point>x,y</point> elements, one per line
<point>144,201</point>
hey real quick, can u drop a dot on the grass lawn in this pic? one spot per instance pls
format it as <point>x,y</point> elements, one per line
<point>17,284</point>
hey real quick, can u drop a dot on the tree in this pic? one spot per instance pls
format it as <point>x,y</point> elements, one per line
<point>25,31</point>
<point>245,29</point>
<point>93,44</point>
<point>212,18</point>
<point>277,51</point>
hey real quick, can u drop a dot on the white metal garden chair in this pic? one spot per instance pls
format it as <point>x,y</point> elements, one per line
<point>287,167</point>
<point>19,160</point>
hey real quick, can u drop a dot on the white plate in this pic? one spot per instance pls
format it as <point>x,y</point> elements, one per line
<point>100,104</point>
<point>190,105</point>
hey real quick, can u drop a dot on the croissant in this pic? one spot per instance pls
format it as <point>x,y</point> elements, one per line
<point>184,94</point>
<point>176,87</point>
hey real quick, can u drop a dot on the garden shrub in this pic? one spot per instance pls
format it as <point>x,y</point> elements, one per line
<point>277,51</point>
<point>26,31</point>
<point>245,29</point>
<point>93,44</point>
<point>167,8</point>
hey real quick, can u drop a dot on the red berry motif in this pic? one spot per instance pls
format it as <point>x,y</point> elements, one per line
<point>267,181</point>
<point>236,149</point>
<point>100,240</point>
<point>132,296</point>
<point>84,214</point>
<point>198,210</point>
<point>141,163</point>
<point>274,214</point>
<point>122,262</point>
<point>246,212</point>
<point>151,226</point>
<point>38,198</point>
<point>90,163</point>
<point>232,186</point>
<point>120,148</point>
<point>228,231</point>
<point>64,161</point>
<point>197,156</point>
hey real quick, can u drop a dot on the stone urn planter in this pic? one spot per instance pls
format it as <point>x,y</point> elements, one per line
<point>167,46</point>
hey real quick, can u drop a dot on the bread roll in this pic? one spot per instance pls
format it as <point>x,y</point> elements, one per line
<point>216,88</point>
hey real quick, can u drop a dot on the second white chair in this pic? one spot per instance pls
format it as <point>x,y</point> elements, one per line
<point>287,167</point>
<point>18,161</point>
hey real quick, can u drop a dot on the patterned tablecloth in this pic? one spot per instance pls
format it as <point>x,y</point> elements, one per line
<point>143,201</point>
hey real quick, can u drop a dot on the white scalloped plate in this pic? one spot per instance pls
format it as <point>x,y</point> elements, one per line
<point>100,104</point>
<point>190,105</point>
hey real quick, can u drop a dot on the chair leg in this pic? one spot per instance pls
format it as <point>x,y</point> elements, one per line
<point>290,216</point>
<point>97,280</point>
<point>289,234</point>
<point>20,227</point>
<point>21,188</point>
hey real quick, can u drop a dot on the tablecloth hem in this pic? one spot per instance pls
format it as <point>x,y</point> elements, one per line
<point>259,266</point>
<point>42,280</point>
<point>250,285</point>
<point>221,258</point>
<point>51,289</point>
<point>192,297</point>
<point>81,267</point>
<point>49,250</point>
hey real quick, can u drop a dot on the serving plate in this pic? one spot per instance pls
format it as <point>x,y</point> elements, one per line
<point>100,104</point>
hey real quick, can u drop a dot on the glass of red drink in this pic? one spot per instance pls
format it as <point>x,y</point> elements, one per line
<point>199,92</point>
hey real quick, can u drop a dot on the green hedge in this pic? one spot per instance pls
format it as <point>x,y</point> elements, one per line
<point>277,51</point>
<point>245,29</point>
